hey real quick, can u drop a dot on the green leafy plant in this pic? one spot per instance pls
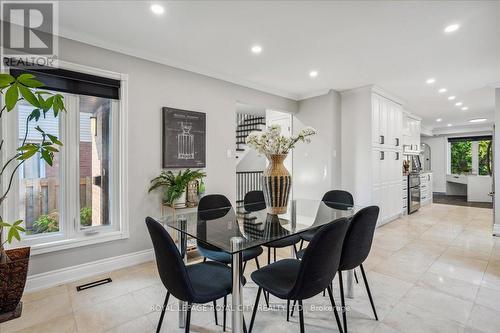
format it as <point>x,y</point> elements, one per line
<point>461,157</point>
<point>28,89</point>
<point>45,223</point>
<point>86,216</point>
<point>174,185</point>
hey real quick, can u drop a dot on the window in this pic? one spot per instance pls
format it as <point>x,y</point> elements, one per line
<point>79,199</point>
<point>471,155</point>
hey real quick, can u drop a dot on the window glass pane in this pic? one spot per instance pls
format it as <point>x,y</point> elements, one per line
<point>484,158</point>
<point>94,146</point>
<point>39,190</point>
<point>461,157</point>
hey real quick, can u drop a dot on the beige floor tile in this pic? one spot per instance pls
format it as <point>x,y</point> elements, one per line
<point>106,315</point>
<point>489,298</point>
<point>38,312</point>
<point>442,305</point>
<point>461,268</point>
<point>450,286</point>
<point>483,319</point>
<point>139,325</point>
<point>63,324</point>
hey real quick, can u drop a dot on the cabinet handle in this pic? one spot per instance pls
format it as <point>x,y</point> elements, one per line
<point>382,139</point>
<point>397,142</point>
<point>382,157</point>
<point>397,156</point>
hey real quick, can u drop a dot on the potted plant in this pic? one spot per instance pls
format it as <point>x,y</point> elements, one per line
<point>14,262</point>
<point>174,186</point>
<point>276,178</point>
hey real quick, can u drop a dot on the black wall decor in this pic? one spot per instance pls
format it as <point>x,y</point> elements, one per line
<point>183,138</point>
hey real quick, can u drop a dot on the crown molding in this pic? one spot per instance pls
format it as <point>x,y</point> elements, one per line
<point>314,94</point>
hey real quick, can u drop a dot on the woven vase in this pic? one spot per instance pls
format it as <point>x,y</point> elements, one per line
<point>276,184</point>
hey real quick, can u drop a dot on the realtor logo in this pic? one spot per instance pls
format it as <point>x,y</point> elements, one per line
<point>29,30</point>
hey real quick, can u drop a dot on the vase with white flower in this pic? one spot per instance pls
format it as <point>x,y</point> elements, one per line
<point>277,181</point>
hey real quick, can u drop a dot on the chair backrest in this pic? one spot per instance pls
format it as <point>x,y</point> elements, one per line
<point>254,201</point>
<point>209,205</point>
<point>344,198</point>
<point>321,260</point>
<point>358,241</point>
<point>171,268</point>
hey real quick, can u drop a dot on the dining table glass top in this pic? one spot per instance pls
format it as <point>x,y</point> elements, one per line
<point>252,224</point>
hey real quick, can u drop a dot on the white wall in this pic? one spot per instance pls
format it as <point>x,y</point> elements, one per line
<point>152,86</point>
<point>251,161</point>
<point>438,161</point>
<point>317,165</point>
<point>496,229</point>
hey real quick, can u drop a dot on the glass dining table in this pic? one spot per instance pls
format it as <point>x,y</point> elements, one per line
<point>234,231</point>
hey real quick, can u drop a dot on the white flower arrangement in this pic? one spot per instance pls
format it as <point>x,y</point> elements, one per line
<point>271,142</point>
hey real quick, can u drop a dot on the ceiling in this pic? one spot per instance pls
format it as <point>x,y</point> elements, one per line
<point>395,45</point>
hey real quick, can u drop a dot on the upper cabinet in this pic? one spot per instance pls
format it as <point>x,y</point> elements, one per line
<point>411,134</point>
<point>387,123</point>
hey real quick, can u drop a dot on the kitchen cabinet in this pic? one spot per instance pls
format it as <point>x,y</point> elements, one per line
<point>411,133</point>
<point>425,188</point>
<point>372,132</point>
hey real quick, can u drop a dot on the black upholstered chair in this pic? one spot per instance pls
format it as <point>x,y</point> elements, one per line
<point>195,284</point>
<point>343,198</point>
<point>357,245</point>
<point>211,207</point>
<point>293,279</point>
<point>254,201</point>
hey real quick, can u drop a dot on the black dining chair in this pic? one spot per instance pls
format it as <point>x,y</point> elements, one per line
<point>293,279</point>
<point>195,284</point>
<point>210,207</point>
<point>254,201</point>
<point>356,248</point>
<point>337,199</point>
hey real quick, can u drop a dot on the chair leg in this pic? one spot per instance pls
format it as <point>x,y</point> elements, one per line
<point>287,310</point>
<point>188,317</point>
<point>301,244</point>
<point>295,251</point>
<point>255,309</point>
<point>163,312</point>
<point>301,316</point>
<point>268,255</point>
<point>274,254</point>
<point>337,318</point>
<point>204,259</point>
<point>224,316</point>
<point>368,291</point>
<point>244,267</point>
<point>257,262</point>
<point>215,313</point>
<point>293,308</point>
<point>342,300</point>
<point>355,276</point>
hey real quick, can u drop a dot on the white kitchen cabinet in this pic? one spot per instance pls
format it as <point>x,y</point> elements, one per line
<point>411,133</point>
<point>425,188</point>
<point>372,131</point>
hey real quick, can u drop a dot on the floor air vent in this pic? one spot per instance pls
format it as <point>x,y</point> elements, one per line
<point>93,284</point>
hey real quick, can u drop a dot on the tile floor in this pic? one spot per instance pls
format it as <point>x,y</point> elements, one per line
<point>435,271</point>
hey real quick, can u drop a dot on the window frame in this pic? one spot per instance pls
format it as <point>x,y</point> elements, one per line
<point>71,234</point>
<point>475,158</point>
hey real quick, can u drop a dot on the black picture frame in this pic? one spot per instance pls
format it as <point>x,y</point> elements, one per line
<point>184,139</point>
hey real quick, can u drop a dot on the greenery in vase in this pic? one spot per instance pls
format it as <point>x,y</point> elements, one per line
<point>271,142</point>
<point>25,88</point>
<point>174,185</point>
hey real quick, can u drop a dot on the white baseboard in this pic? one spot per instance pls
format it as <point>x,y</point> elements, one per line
<point>70,274</point>
<point>496,230</point>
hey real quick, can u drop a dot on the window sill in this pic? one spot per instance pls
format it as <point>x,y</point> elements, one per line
<point>76,242</point>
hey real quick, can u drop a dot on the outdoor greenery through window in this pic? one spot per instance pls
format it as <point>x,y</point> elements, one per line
<point>471,156</point>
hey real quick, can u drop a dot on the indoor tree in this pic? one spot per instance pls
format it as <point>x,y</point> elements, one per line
<point>24,88</point>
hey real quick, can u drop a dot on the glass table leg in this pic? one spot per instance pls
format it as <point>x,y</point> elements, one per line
<point>182,245</point>
<point>237,295</point>
<point>350,284</point>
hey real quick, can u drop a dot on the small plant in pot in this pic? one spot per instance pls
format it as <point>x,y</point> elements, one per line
<point>174,185</point>
<point>14,262</point>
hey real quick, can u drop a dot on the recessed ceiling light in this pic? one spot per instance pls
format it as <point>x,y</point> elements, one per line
<point>157,9</point>
<point>313,73</point>
<point>451,98</point>
<point>465,108</point>
<point>478,120</point>
<point>451,28</point>
<point>442,90</point>
<point>458,103</point>
<point>449,125</point>
<point>257,49</point>
<point>430,81</point>
<point>439,120</point>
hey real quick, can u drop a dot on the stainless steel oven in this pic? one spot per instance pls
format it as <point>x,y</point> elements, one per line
<point>413,192</point>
